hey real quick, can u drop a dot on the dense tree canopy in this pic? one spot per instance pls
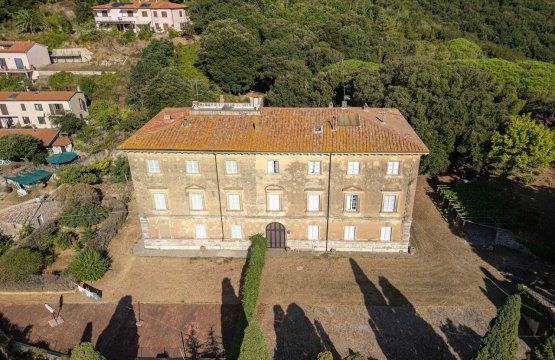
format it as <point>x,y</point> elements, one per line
<point>22,147</point>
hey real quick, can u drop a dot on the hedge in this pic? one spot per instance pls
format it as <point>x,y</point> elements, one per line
<point>254,347</point>
<point>20,264</point>
<point>89,265</point>
<point>107,229</point>
<point>85,351</point>
<point>251,284</point>
<point>501,339</point>
<point>83,215</point>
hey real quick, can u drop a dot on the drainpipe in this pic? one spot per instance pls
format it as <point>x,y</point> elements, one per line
<point>219,196</point>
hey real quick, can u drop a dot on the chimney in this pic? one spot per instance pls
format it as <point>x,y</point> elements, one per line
<point>256,123</point>
<point>365,107</point>
<point>167,118</point>
<point>344,104</point>
<point>330,105</point>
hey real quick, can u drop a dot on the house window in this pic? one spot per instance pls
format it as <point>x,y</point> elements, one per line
<point>57,109</point>
<point>180,13</point>
<point>155,13</point>
<point>313,202</point>
<point>160,201</point>
<point>104,13</point>
<point>26,120</point>
<point>4,109</point>
<point>353,168</point>
<point>385,234</point>
<point>393,167</point>
<point>192,167</point>
<point>389,202</point>
<point>197,201</point>
<point>164,14</point>
<point>313,232</point>
<point>351,202</point>
<point>153,166</point>
<point>38,107</point>
<point>314,167</point>
<point>41,120</point>
<point>82,104</point>
<point>23,107</point>
<point>236,231</point>
<point>233,202</point>
<point>349,232</point>
<point>231,167</point>
<point>200,231</point>
<point>144,13</point>
<point>274,202</point>
<point>273,166</point>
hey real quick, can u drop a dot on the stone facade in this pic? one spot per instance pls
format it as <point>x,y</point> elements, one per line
<point>176,226</point>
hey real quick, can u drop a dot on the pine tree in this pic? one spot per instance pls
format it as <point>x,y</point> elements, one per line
<point>501,339</point>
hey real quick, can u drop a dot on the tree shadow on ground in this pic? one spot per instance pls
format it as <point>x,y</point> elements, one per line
<point>400,331</point>
<point>87,333</point>
<point>462,339</point>
<point>120,339</point>
<point>20,334</point>
<point>297,337</point>
<point>229,312</point>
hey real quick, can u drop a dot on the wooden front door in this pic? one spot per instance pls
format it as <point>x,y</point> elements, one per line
<point>276,236</point>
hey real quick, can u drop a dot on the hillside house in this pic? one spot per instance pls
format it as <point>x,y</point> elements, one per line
<point>23,57</point>
<point>159,16</point>
<point>308,178</point>
<point>51,139</point>
<point>33,108</point>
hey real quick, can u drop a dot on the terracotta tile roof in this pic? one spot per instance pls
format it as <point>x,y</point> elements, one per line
<point>36,95</point>
<point>15,46</point>
<point>47,136</point>
<point>279,130</point>
<point>141,5</point>
<point>61,141</point>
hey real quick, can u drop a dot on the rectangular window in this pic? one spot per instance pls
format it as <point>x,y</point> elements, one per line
<point>313,232</point>
<point>41,120</point>
<point>233,202</point>
<point>236,231</point>
<point>385,234</point>
<point>200,231</point>
<point>349,232</point>
<point>351,202</point>
<point>155,14</point>
<point>23,107</point>
<point>164,14</point>
<point>393,167</point>
<point>153,166</point>
<point>274,202</point>
<point>353,168</point>
<point>314,167</point>
<point>104,13</point>
<point>4,109</point>
<point>231,167</point>
<point>144,13</point>
<point>26,120</point>
<point>160,201</point>
<point>197,201</point>
<point>192,167</point>
<point>130,13</point>
<point>38,107</point>
<point>180,13</point>
<point>273,167</point>
<point>56,109</point>
<point>313,202</point>
<point>389,202</point>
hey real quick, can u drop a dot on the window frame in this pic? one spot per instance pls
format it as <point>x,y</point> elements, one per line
<point>155,199</point>
<point>393,168</point>
<point>352,230</point>
<point>312,168</point>
<point>273,167</point>
<point>43,121</point>
<point>269,202</point>
<point>235,226</point>
<point>309,203</point>
<point>385,201</point>
<point>351,167</point>
<point>385,233</point>
<point>204,231</point>
<point>229,202</point>
<point>38,107</point>
<point>192,196</point>
<point>23,108</point>
<point>310,232</point>
<point>349,197</point>
<point>26,120</point>
<point>192,170</point>
<point>234,171</point>
<point>153,169</point>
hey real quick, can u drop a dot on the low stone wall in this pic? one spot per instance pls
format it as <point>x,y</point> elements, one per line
<point>303,245</point>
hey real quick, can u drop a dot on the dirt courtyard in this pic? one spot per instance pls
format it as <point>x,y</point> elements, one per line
<point>434,304</point>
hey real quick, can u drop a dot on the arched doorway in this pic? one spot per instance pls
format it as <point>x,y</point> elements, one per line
<point>276,235</point>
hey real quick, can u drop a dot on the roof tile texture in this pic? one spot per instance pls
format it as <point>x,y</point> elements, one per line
<point>16,46</point>
<point>37,95</point>
<point>47,136</point>
<point>289,130</point>
<point>137,5</point>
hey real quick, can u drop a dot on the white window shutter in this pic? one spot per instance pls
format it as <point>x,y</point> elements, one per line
<point>385,233</point>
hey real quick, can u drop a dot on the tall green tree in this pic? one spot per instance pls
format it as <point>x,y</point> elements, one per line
<point>29,20</point>
<point>68,123</point>
<point>228,55</point>
<point>501,339</point>
<point>524,146</point>
<point>86,351</point>
<point>167,89</point>
<point>21,147</point>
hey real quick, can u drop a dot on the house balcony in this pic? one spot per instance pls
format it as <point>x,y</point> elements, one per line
<point>115,19</point>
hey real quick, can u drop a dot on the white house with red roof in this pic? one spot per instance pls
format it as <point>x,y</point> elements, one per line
<point>160,16</point>
<point>23,57</point>
<point>34,108</point>
<point>51,139</point>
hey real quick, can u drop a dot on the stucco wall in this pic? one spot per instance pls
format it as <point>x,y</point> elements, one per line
<point>293,182</point>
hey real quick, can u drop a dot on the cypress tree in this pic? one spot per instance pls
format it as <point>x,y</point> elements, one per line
<point>501,339</point>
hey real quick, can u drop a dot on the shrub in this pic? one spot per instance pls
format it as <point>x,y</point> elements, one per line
<point>64,240</point>
<point>78,194</point>
<point>19,264</point>
<point>48,239</point>
<point>74,174</point>
<point>254,347</point>
<point>325,355</point>
<point>103,166</point>
<point>544,350</point>
<point>144,34</point>
<point>172,33</point>
<point>62,81</point>
<point>501,339</point>
<point>251,285</point>
<point>6,242</point>
<point>89,265</point>
<point>83,215</point>
<point>107,229</point>
<point>120,169</point>
<point>85,351</point>
<point>355,356</point>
